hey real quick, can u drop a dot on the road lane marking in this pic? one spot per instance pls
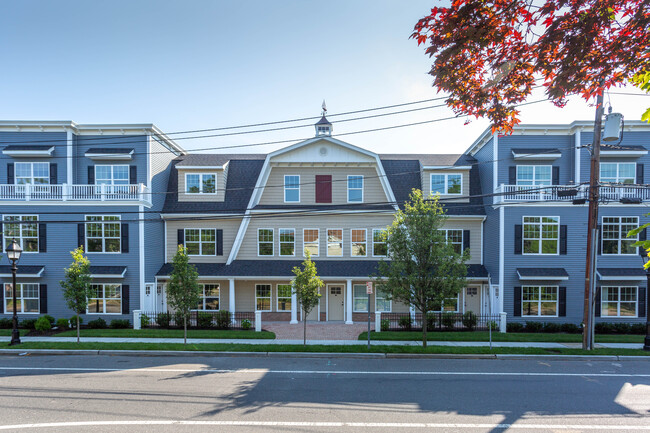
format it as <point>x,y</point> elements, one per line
<point>578,427</point>
<point>324,372</point>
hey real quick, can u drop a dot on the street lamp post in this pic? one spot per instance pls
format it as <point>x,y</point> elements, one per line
<point>13,252</point>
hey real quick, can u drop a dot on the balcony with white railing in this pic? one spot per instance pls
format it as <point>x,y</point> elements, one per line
<point>564,193</point>
<point>76,193</point>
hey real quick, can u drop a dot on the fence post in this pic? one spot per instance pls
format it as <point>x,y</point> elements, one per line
<point>502,322</point>
<point>258,321</point>
<point>137,323</point>
<point>377,321</point>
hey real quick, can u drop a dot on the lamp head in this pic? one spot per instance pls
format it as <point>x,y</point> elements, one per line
<point>14,251</point>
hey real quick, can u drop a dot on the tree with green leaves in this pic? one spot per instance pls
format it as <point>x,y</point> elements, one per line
<point>183,291</point>
<point>421,269</point>
<point>76,285</point>
<point>306,286</point>
<point>642,81</point>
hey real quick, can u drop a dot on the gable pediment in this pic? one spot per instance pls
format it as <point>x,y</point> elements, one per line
<point>323,151</point>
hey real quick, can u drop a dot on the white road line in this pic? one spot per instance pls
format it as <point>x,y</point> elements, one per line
<point>323,372</point>
<point>578,427</point>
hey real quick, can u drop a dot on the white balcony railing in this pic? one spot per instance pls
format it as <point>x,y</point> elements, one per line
<point>65,192</point>
<point>523,193</point>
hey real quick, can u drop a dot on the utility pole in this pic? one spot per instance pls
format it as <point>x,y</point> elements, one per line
<point>592,228</point>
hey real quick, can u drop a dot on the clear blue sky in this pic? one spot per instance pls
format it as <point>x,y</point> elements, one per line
<point>186,65</point>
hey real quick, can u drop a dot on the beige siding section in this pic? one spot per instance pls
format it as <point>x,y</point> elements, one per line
<point>229,227</point>
<point>475,242</point>
<point>221,185</point>
<point>426,185</point>
<point>273,193</point>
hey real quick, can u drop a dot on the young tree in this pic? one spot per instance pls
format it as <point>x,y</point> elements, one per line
<point>76,285</point>
<point>489,53</point>
<point>422,269</point>
<point>306,286</point>
<point>183,291</point>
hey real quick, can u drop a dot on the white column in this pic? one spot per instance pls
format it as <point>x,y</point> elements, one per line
<point>502,322</point>
<point>348,295</point>
<point>69,164</point>
<point>294,308</point>
<point>378,321</point>
<point>137,323</point>
<point>231,295</point>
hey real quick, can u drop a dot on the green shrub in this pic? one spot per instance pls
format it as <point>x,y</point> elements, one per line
<point>73,321</point>
<point>204,320</point>
<point>448,320</point>
<point>534,326</point>
<point>63,323</point>
<point>385,325</point>
<point>405,323</point>
<point>98,323</point>
<point>603,328</point>
<point>223,319</point>
<point>120,324</point>
<point>551,328</point>
<point>246,324</point>
<point>492,325</point>
<point>432,321</point>
<point>570,328</point>
<point>514,327</point>
<point>28,323</point>
<point>178,319</point>
<point>163,319</point>
<point>42,324</point>
<point>637,328</point>
<point>6,323</point>
<point>621,328</point>
<point>470,320</point>
<point>50,319</point>
<point>144,321</point>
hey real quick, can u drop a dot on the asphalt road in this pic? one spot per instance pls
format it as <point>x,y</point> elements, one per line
<point>196,394</point>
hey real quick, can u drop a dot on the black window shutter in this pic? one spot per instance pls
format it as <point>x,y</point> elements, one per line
<point>562,302</point>
<point>53,177</point>
<point>517,309</point>
<point>2,297</point>
<point>642,237</point>
<point>556,175</point>
<point>465,240</point>
<point>181,237</point>
<point>219,242</point>
<point>512,175</point>
<point>598,238</point>
<point>639,174</point>
<point>125,237</point>
<point>10,173</point>
<point>2,245</point>
<point>133,174</point>
<point>42,238</point>
<point>563,239</point>
<point>42,294</point>
<point>125,299</point>
<point>642,303</point>
<point>518,234</point>
<point>91,175</point>
<point>597,304</point>
<point>81,236</point>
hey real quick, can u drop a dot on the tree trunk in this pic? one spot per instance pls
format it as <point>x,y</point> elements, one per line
<point>304,329</point>
<point>185,330</point>
<point>77,328</point>
<point>424,330</point>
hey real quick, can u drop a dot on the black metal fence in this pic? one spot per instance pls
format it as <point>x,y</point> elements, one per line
<point>439,322</point>
<point>199,320</point>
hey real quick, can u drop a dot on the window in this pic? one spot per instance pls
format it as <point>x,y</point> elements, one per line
<point>200,183</point>
<point>539,301</point>
<point>103,234</point>
<point>107,299</point>
<point>449,305</point>
<point>21,228</point>
<point>618,302</point>
<point>209,297</point>
<point>291,189</point>
<point>360,298</point>
<point>284,297</point>
<point>201,242</point>
<point>358,242</point>
<point>34,173</point>
<point>541,235</point>
<point>263,297</point>
<point>334,242</point>
<point>614,237</point>
<point>455,238</point>
<point>534,175</point>
<point>112,175</point>
<point>447,184</point>
<point>382,303</point>
<point>618,172</point>
<point>27,299</point>
<point>379,247</point>
<point>355,189</point>
<point>264,242</point>
<point>287,242</point>
<point>311,241</point>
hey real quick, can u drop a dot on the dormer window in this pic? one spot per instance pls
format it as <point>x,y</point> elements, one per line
<point>447,184</point>
<point>200,183</point>
<point>355,189</point>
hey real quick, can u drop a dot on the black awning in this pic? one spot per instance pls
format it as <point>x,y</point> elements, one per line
<point>629,274</point>
<point>107,271</point>
<point>542,274</point>
<point>23,271</point>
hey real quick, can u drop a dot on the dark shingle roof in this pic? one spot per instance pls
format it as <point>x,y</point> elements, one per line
<point>22,270</point>
<point>440,160</point>
<point>109,150</point>
<point>621,147</point>
<point>543,273</point>
<point>621,272</point>
<point>215,160</point>
<point>323,121</point>
<point>535,151</point>
<point>107,270</point>
<point>19,147</point>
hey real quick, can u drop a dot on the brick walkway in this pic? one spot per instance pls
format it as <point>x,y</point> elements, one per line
<point>317,330</point>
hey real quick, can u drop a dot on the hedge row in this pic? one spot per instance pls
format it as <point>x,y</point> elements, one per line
<point>572,328</point>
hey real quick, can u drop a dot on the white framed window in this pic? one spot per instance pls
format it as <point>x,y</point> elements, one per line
<point>358,244</point>
<point>106,299</point>
<point>112,174</point>
<point>264,242</point>
<point>287,242</point>
<point>359,298</point>
<point>618,172</point>
<point>541,235</point>
<point>284,297</point>
<point>311,242</point>
<point>449,305</point>
<point>446,183</point>
<point>382,302</point>
<point>27,298</point>
<point>33,173</point>
<point>534,175</point>
<point>355,188</point>
<point>103,234</point>
<point>262,297</point>
<point>618,301</point>
<point>23,228</point>
<point>291,188</point>
<point>379,246</point>
<point>539,301</point>
<point>201,242</point>
<point>209,300</point>
<point>455,239</point>
<point>200,183</point>
<point>334,242</point>
<point>614,237</point>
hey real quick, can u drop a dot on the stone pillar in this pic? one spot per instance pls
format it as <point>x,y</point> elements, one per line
<point>294,309</point>
<point>348,295</point>
<point>137,323</point>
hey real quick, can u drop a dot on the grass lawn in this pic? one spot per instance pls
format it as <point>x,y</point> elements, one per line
<point>497,336</point>
<point>327,349</point>
<point>168,333</point>
<point>7,332</point>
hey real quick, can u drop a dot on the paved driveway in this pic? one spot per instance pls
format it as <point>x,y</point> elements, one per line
<point>317,330</point>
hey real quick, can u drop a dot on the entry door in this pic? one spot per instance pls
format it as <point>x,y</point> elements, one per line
<point>473,300</point>
<point>335,302</point>
<point>161,305</point>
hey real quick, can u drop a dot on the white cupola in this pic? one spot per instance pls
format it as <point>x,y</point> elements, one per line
<point>323,126</point>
